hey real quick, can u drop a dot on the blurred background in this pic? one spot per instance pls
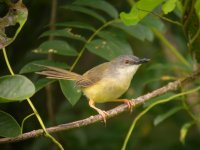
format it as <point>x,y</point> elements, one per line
<point>54,107</point>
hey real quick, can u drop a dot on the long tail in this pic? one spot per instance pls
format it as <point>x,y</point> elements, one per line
<point>58,73</point>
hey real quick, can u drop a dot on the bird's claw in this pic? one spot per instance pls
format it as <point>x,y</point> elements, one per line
<point>130,104</point>
<point>104,115</point>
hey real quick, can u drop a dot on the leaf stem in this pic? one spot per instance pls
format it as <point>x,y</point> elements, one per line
<point>32,106</point>
<point>148,108</point>
<point>89,40</point>
<point>7,62</point>
<point>22,125</point>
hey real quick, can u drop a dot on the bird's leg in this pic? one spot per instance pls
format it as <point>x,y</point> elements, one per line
<point>130,103</point>
<point>103,113</point>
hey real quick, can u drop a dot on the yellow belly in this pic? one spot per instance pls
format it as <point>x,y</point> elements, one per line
<point>106,90</point>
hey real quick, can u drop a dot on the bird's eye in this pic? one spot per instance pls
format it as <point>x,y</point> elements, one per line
<point>126,61</point>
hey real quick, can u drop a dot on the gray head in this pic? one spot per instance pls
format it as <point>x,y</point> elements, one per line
<point>128,60</point>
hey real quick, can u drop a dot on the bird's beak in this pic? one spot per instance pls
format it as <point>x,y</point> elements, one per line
<point>142,60</point>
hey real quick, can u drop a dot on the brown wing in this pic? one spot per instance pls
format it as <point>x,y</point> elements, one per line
<point>93,75</point>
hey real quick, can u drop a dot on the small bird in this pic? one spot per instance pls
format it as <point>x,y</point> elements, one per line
<point>103,83</point>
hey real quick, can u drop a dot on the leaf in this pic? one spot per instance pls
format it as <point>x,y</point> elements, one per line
<point>69,90</point>
<point>160,118</point>
<point>76,24</point>
<point>184,131</point>
<point>99,4</point>
<point>138,31</point>
<point>169,6</point>
<point>153,22</point>
<point>41,83</point>
<point>63,33</point>
<point>8,125</point>
<point>138,11</point>
<point>111,46</point>
<point>17,14</point>
<point>56,47</point>
<point>15,88</point>
<point>85,11</point>
<point>32,66</point>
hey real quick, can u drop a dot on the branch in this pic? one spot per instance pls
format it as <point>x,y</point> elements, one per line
<point>111,113</point>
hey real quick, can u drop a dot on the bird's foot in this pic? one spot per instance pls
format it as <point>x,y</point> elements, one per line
<point>104,114</point>
<point>130,104</point>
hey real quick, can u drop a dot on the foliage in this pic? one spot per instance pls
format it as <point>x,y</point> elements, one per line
<point>167,31</point>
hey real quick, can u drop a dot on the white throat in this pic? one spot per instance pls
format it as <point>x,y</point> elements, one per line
<point>128,71</point>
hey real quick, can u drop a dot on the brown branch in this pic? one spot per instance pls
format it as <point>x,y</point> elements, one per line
<point>111,113</point>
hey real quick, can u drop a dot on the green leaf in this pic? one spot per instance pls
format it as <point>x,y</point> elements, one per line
<point>85,11</point>
<point>76,24</point>
<point>56,47</point>
<point>153,22</point>
<point>63,33</point>
<point>184,131</point>
<point>15,88</point>
<point>17,14</point>
<point>32,66</point>
<point>138,31</point>
<point>69,90</point>
<point>99,4</point>
<point>160,118</point>
<point>197,8</point>
<point>139,10</point>
<point>8,125</point>
<point>111,46</point>
<point>169,6</point>
<point>41,83</point>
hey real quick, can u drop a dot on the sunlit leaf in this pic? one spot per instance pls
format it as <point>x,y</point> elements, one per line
<point>63,33</point>
<point>8,125</point>
<point>139,10</point>
<point>111,45</point>
<point>169,6</point>
<point>15,88</point>
<point>76,24</point>
<point>17,14</point>
<point>33,67</point>
<point>162,117</point>
<point>99,4</point>
<point>70,91</point>
<point>86,11</point>
<point>184,131</point>
<point>56,47</point>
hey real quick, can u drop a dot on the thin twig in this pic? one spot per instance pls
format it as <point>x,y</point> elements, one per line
<point>111,113</point>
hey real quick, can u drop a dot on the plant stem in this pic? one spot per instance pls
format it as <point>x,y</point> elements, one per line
<point>32,106</point>
<point>22,125</point>
<point>7,62</point>
<point>89,40</point>
<point>150,107</point>
<point>49,87</point>
<point>171,48</point>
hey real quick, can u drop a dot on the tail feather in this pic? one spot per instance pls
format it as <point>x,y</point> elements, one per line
<point>58,73</point>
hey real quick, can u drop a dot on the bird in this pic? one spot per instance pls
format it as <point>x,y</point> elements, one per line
<point>104,83</point>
